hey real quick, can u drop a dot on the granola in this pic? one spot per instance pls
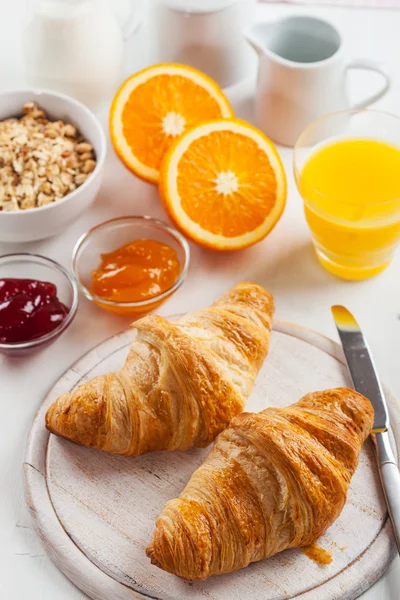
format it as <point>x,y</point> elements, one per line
<point>41,161</point>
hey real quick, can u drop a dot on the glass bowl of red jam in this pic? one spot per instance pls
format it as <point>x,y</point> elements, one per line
<point>38,301</point>
<point>130,265</point>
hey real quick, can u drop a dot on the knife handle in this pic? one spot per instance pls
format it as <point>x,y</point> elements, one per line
<point>390,478</point>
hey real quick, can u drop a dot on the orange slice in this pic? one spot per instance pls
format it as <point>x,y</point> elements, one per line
<point>223,184</point>
<point>154,107</point>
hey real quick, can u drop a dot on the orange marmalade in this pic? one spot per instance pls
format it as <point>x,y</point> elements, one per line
<point>139,270</point>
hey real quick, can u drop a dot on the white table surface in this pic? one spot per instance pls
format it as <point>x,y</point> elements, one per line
<point>284,263</point>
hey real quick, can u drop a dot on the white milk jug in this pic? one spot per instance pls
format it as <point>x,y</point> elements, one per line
<point>75,47</point>
<point>303,75</point>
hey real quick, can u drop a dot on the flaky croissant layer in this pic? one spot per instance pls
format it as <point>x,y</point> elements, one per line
<point>273,480</point>
<point>181,384</point>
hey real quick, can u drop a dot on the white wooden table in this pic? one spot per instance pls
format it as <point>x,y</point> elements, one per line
<point>284,263</point>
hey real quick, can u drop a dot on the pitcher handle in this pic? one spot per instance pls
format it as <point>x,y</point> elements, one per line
<point>370,65</point>
<point>134,19</point>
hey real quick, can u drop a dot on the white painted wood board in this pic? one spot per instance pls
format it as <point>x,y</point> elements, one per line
<point>95,512</point>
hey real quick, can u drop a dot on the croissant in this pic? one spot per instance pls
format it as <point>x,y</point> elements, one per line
<point>181,384</point>
<point>273,480</point>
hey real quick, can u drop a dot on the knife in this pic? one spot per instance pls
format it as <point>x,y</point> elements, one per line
<point>365,380</point>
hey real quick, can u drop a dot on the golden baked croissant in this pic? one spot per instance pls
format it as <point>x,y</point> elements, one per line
<point>181,384</point>
<point>273,480</point>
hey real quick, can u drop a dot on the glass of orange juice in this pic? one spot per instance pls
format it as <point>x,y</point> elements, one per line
<point>347,170</point>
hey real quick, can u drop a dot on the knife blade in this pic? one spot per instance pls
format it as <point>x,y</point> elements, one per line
<point>366,381</point>
<point>361,365</point>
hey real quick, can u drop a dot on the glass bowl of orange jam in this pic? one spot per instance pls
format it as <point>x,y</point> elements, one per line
<point>130,265</point>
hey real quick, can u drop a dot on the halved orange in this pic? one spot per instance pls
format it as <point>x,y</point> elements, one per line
<point>223,184</point>
<point>154,107</point>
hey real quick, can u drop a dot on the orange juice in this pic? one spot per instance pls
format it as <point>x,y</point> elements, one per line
<point>351,190</point>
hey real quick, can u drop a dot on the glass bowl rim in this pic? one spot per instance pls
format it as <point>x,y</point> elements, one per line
<point>324,118</point>
<point>157,224</point>
<point>55,266</point>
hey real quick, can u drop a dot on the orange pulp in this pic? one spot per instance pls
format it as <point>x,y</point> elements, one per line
<point>138,271</point>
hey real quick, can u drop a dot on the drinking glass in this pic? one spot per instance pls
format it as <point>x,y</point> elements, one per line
<point>352,238</point>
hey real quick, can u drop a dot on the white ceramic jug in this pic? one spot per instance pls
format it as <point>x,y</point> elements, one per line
<point>302,75</point>
<point>76,47</point>
<point>205,34</point>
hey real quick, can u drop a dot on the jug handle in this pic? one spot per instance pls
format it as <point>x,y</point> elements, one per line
<point>365,64</point>
<point>134,19</point>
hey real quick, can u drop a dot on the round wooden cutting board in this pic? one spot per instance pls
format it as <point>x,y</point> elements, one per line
<point>95,512</point>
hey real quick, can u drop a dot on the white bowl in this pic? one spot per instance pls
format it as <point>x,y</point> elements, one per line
<point>45,221</point>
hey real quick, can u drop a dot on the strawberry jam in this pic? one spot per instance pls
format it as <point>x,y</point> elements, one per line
<point>29,309</point>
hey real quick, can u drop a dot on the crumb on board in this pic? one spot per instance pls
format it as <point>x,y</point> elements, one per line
<point>318,554</point>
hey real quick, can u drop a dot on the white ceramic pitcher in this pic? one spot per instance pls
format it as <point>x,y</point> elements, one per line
<point>302,75</point>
